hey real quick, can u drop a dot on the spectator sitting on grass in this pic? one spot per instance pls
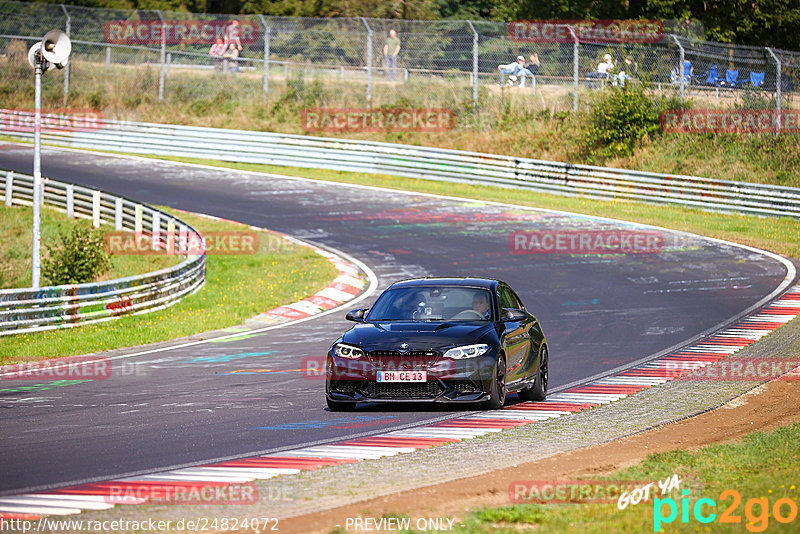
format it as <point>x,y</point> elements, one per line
<point>606,67</point>
<point>627,72</point>
<point>534,64</point>
<point>232,59</point>
<point>512,70</point>
<point>604,70</point>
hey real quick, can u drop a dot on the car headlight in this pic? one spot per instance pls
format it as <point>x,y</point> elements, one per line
<point>467,351</point>
<point>344,350</point>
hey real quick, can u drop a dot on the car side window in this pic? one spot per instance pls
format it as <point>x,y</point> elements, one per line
<point>516,300</point>
<point>504,299</point>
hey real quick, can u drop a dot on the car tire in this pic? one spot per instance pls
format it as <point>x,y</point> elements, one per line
<point>498,388</point>
<point>341,406</point>
<point>539,390</point>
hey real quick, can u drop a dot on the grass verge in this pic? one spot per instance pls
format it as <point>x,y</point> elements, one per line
<point>748,480</point>
<point>508,120</point>
<point>237,287</point>
<point>15,255</point>
<point>780,235</point>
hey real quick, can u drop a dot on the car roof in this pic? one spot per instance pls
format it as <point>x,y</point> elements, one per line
<point>488,283</point>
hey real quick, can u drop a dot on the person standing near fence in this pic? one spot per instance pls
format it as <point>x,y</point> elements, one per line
<point>233,35</point>
<point>217,52</point>
<point>390,51</point>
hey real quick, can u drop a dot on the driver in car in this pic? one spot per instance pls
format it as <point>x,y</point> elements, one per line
<point>480,304</point>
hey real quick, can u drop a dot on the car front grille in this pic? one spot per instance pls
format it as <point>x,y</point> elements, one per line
<point>402,389</point>
<point>408,354</point>
<point>391,360</point>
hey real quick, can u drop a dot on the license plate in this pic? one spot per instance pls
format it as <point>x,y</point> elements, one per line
<point>402,376</point>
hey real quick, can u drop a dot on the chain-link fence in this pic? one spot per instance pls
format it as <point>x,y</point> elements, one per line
<point>124,57</point>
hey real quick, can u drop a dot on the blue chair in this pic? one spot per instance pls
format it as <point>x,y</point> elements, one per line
<point>688,71</point>
<point>731,78</point>
<point>756,79</point>
<point>711,77</point>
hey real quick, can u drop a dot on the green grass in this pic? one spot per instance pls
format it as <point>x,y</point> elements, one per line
<point>15,254</point>
<point>780,235</point>
<point>763,465</point>
<point>237,287</point>
<point>508,121</point>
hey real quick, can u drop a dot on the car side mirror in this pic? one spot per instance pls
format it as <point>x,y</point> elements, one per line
<point>356,316</point>
<point>513,314</point>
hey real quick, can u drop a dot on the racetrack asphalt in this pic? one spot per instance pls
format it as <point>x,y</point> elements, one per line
<point>196,404</point>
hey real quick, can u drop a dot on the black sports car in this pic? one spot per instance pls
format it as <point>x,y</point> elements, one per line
<point>442,340</point>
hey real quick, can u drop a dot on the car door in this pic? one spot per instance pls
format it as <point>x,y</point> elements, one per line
<point>516,338</point>
<point>535,337</point>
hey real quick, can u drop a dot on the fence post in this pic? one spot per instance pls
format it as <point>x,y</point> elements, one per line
<point>9,187</point>
<point>108,57</point>
<point>170,240</point>
<point>266,54</point>
<point>369,60</point>
<point>67,30</point>
<point>156,230</point>
<point>681,67</point>
<point>777,90</point>
<point>118,214</point>
<point>96,209</point>
<point>161,56</point>
<point>575,58</point>
<point>182,238</point>
<point>474,66</point>
<point>70,201</point>
<point>137,219</point>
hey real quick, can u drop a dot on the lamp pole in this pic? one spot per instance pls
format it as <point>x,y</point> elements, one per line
<point>52,51</point>
<point>37,174</point>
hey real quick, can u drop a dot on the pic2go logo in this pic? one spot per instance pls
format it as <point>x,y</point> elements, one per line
<point>756,511</point>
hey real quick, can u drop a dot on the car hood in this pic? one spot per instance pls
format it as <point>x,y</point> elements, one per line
<point>418,335</point>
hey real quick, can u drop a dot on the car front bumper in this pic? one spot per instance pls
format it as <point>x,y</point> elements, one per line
<point>448,380</point>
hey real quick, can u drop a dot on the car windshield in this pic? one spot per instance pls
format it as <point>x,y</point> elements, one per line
<point>432,303</point>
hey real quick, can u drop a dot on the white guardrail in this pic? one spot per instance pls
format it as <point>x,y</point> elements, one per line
<point>426,163</point>
<point>30,310</point>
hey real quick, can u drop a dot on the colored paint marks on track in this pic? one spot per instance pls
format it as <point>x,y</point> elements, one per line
<point>682,363</point>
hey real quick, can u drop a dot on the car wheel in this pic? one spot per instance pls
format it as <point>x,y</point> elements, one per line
<point>341,406</point>
<point>498,386</point>
<point>539,390</point>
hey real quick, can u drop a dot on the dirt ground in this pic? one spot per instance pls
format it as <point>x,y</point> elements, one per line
<point>769,406</point>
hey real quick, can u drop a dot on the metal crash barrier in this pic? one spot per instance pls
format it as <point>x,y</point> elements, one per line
<point>430,163</point>
<point>48,308</point>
